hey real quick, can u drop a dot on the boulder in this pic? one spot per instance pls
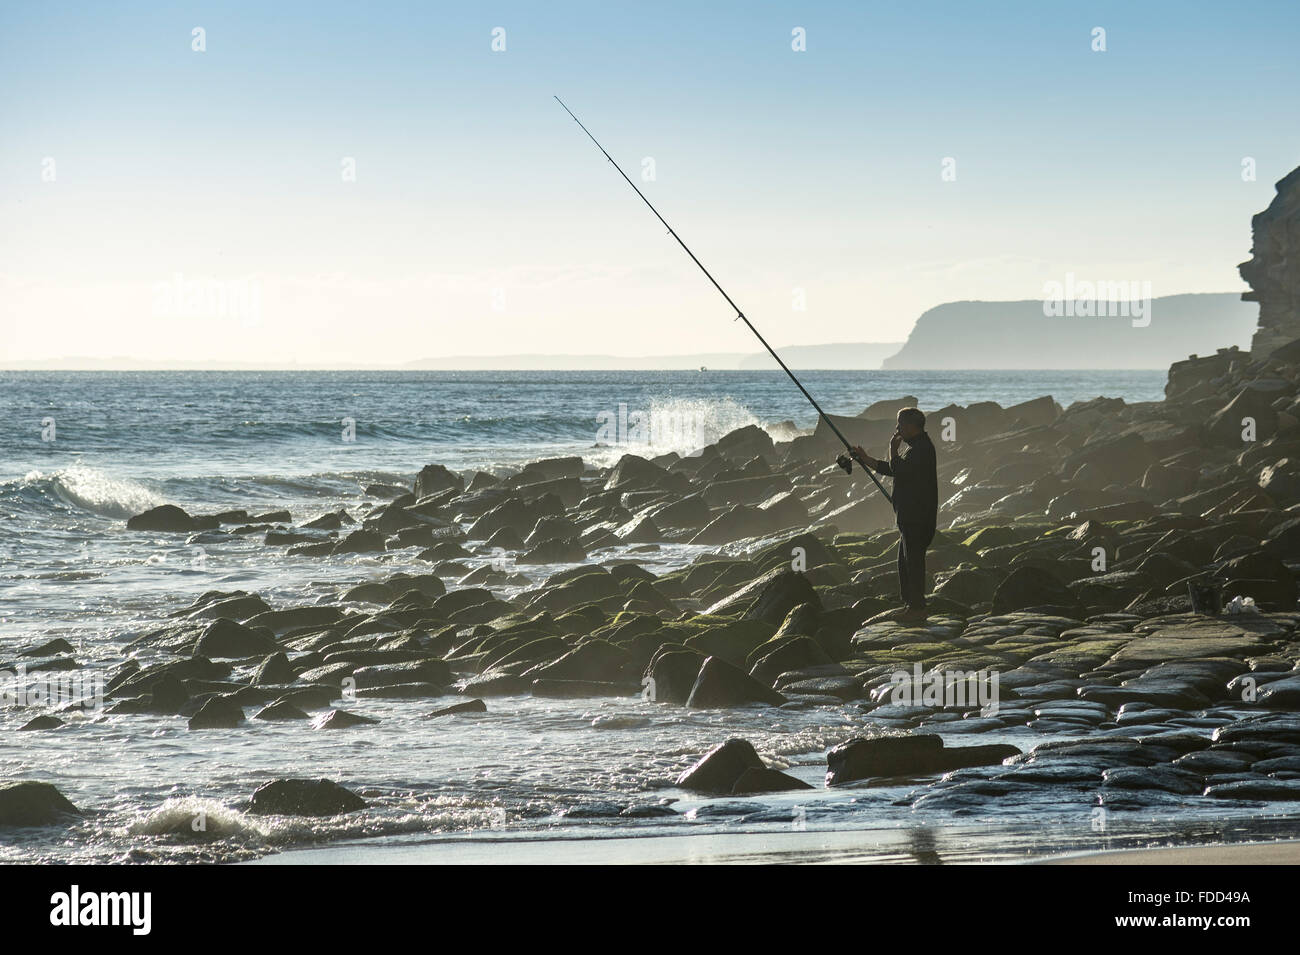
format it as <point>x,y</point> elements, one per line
<point>304,797</point>
<point>718,770</point>
<point>31,803</point>
<point>763,780</point>
<point>920,755</point>
<point>166,517</point>
<point>217,712</point>
<point>227,638</point>
<point>434,478</point>
<point>671,675</point>
<point>719,684</point>
<point>340,719</point>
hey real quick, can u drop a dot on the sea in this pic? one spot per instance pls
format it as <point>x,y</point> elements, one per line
<point>83,451</point>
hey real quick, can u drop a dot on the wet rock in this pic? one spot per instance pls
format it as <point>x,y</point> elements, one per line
<point>671,675</point>
<point>718,770</point>
<point>340,719</point>
<point>469,706</point>
<point>1168,779</point>
<point>281,711</point>
<point>434,478</point>
<point>719,684</point>
<point>218,712</point>
<point>554,552</point>
<point>304,797</point>
<point>919,755</point>
<point>361,542</point>
<point>167,517</point>
<point>428,670</point>
<point>1263,790</point>
<point>794,653</point>
<point>1208,762</point>
<point>227,638</point>
<point>42,723</point>
<point>596,660</point>
<point>764,780</point>
<point>31,803</point>
<point>1281,694</point>
<point>578,689</point>
<point>275,669</point>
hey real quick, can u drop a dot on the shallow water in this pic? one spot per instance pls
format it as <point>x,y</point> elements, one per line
<point>528,768</point>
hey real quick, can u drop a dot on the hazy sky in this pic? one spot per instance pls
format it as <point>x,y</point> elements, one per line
<point>162,203</point>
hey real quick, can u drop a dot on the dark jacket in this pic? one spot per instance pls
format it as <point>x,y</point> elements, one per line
<point>916,483</point>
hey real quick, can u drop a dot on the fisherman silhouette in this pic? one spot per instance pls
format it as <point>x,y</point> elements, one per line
<point>916,504</point>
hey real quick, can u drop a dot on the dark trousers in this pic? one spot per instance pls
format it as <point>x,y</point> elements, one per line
<point>913,539</point>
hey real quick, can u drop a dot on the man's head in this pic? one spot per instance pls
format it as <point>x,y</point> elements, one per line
<point>911,422</point>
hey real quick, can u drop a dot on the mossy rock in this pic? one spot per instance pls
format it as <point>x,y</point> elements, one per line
<point>995,535</point>
<point>731,641</point>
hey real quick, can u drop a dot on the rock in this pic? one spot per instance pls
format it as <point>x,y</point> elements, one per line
<point>42,723</point>
<point>218,712</point>
<point>718,770</point>
<point>1168,779</point>
<point>363,541</point>
<point>166,517</point>
<point>434,478</point>
<point>1281,481</point>
<point>593,660</point>
<point>1271,273</point>
<point>769,597</point>
<point>31,803</point>
<point>1225,427</point>
<point>671,675</point>
<point>275,669</point>
<point>579,689</point>
<point>304,797</point>
<point>635,473</point>
<point>795,653</point>
<point>1263,790</point>
<point>780,595</point>
<point>554,552</point>
<point>340,719</point>
<point>1030,586</point>
<point>281,710</point>
<point>469,706</point>
<point>920,755</point>
<point>764,780</point>
<point>719,684</point>
<point>226,638</point>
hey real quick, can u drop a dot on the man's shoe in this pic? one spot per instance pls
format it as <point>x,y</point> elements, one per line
<point>913,615</point>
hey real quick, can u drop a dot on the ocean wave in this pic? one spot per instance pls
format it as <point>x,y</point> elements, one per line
<point>82,488</point>
<point>681,425</point>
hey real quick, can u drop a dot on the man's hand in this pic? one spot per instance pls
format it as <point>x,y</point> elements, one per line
<point>894,442</point>
<point>862,457</point>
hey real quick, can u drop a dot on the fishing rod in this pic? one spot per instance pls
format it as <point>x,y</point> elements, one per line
<point>844,461</point>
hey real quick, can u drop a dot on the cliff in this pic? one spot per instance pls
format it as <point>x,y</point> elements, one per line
<point>1015,335</point>
<point>1273,270</point>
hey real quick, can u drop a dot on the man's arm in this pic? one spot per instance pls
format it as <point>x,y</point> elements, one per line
<point>867,461</point>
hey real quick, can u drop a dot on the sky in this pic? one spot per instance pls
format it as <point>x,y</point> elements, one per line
<point>331,182</point>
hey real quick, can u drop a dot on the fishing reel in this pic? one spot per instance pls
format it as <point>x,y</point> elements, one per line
<point>845,462</point>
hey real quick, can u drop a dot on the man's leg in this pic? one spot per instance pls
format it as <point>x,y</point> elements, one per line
<point>904,590</point>
<point>913,540</point>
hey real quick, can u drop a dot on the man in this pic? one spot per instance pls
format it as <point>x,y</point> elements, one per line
<point>916,504</point>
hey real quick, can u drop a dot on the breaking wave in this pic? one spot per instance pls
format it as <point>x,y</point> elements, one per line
<point>83,488</point>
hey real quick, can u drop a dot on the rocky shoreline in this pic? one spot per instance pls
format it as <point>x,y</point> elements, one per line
<point>1063,576</point>
<point>1085,586</point>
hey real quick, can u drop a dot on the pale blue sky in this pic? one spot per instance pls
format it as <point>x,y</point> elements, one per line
<point>481,221</point>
